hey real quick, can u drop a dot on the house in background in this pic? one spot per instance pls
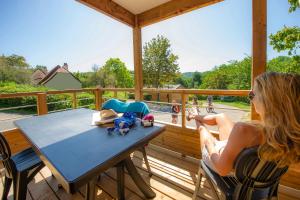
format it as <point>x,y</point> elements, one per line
<point>37,76</point>
<point>165,97</point>
<point>59,78</point>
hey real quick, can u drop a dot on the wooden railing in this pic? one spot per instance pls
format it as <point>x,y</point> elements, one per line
<point>98,95</point>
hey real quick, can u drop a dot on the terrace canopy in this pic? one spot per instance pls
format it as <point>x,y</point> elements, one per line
<point>140,13</point>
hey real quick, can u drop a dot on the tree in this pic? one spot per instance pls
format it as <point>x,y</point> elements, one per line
<point>184,81</point>
<point>288,38</point>
<point>283,64</point>
<point>196,79</point>
<point>41,67</point>
<point>159,63</point>
<point>115,74</point>
<point>14,68</point>
<point>294,4</point>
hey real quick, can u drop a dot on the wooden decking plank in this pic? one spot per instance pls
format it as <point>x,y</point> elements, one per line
<point>181,162</point>
<point>182,173</point>
<point>188,186</point>
<point>40,190</point>
<point>169,181</point>
<point>172,170</point>
<point>109,185</point>
<point>163,188</point>
<point>132,187</point>
<point>53,184</point>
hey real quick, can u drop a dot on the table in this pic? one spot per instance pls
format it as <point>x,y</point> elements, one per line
<point>77,152</point>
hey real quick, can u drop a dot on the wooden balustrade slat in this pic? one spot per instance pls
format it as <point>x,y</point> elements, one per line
<point>74,100</point>
<point>42,108</point>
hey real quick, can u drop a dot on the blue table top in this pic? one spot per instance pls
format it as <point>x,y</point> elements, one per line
<point>74,147</point>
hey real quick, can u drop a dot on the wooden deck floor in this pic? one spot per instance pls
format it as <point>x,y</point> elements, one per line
<point>173,178</point>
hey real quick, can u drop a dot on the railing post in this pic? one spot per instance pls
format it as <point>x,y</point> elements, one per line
<point>98,99</point>
<point>183,100</point>
<point>42,108</point>
<point>74,101</point>
<point>115,94</point>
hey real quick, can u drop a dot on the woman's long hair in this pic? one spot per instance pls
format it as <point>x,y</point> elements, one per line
<point>280,95</point>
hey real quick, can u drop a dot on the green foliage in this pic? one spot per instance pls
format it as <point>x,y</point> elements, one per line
<point>159,63</point>
<point>85,78</point>
<point>14,68</point>
<point>184,81</point>
<point>55,102</point>
<point>294,4</point>
<point>287,39</point>
<point>196,79</point>
<point>13,87</point>
<point>41,67</point>
<point>115,74</point>
<point>284,64</point>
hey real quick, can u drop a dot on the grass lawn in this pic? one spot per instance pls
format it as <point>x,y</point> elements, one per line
<point>241,105</point>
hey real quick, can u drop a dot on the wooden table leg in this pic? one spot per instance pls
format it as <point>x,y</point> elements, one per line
<point>138,180</point>
<point>120,180</point>
<point>90,190</point>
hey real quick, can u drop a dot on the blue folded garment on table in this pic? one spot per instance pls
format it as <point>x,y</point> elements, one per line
<point>116,105</point>
<point>122,107</point>
<point>138,107</point>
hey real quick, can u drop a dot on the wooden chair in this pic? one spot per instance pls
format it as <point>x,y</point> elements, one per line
<point>19,169</point>
<point>253,178</point>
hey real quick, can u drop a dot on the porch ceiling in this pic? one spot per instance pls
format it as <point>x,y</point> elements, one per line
<point>137,7</point>
<point>145,12</point>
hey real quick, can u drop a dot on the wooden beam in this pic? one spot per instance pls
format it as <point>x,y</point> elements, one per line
<point>138,69</point>
<point>259,42</point>
<point>171,9</point>
<point>112,9</point>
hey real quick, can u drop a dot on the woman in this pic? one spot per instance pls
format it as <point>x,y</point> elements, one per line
<point>276,98</point>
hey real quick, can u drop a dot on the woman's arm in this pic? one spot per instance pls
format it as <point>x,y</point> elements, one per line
<point>224,123</point>
<point>237,141</point>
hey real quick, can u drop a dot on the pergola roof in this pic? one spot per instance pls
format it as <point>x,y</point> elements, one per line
<point>137,7</point>
<point>145,12</point>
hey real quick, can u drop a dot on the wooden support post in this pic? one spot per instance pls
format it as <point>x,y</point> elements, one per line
<point>98,99</point>
<point>259,42</point>
<point>42,108</point>
<point>115,94</point>
<point>74,101</point>
<point>183,101</point>
<point>138,70</point>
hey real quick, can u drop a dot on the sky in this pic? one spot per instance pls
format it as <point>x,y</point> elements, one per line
<point>52,32</point>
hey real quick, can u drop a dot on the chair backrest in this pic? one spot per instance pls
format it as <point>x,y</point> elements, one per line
<point>5,156</point>
<point>252,172</point>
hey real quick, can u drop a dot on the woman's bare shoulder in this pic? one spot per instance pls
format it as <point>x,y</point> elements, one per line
<point>247,134</point>
<point>252,133</point>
